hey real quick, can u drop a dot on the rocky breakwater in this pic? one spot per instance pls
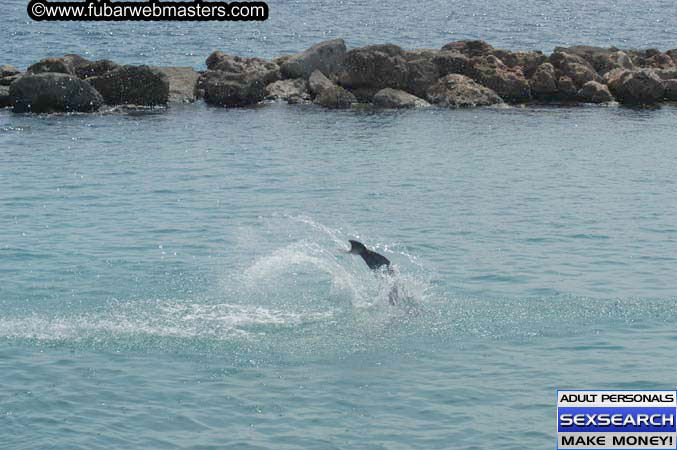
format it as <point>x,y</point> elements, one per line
<point>466,73</point>
<point>75,84</point>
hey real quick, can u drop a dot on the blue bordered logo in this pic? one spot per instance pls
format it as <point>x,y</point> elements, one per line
<point>616,420</point>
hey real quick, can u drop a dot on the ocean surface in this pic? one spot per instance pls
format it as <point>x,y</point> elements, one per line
<point>175,279</point>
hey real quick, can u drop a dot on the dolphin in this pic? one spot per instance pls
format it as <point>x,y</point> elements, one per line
<point>376,262</point>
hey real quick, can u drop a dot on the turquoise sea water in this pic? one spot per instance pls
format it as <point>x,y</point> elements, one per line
<point>174,279</point>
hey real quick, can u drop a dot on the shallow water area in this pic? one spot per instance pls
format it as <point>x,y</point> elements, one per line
<point>181,274</point>
<point>177,278</point>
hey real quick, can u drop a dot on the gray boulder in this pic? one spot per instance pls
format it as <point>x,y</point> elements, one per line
<point>69,64</point>
<point>579,70</point>
<point>326,56</point>
<point>51,65</point>
<point>291,91</point>
<point>611,61</point>
<point>365,95</point>
<point>182,82</point>
<point>600,59</point>
<point>95,68</point>
<point>470,48</point>
<point>670,89</point>
<point>455,90</point>
<point>528,62</point>
<point>6,81</point>
<point>133,85</point>
<point>544,82</point>
<point>268,71</point>
<point>658,60</point>
<point>375,66</point>
<point>594,92</point>
<point>5,99</point>
<point>666,74</point>
<point>53,92</point>
<point>318,83</point>
<point>421,74</point>
<point>420,53</point>
<point>508,83</point>
<point>335,97</point>
<point>566,88</point>
<point>393,98</point>
<point>8,71</point>
<point>232,89</point>
<point>637,86</point>
<point>449,61</point>
<point>561,58</point>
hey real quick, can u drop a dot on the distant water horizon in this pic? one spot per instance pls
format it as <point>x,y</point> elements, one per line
<point>295,25</point>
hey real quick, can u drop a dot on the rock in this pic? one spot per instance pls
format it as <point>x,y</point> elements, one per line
<point>661,61</point>
<point>455,90</point>
<point>291,91</point>
<point>318,83</point>
<point>376,66</point>
<point>560,59</point>
<point>670,89</point>
<point>611,74</point>
<point>281,59</point>
<point>470,48</point>
<point>259,68</point>
<point>490,72</point>
<point>449,61</point>
<point>651,58</point>
<point>182,82</point>
<point>393,98</point>
<point>666,74</point>
<point>420,53</point>
<point>580,74</point>
<point>594,92</point>
<point>388,49</point>
<point>544,82</point>
<point>335,97</point>
<point>54,65</point>
<point>421,74</point>
<point>95,68</point>
<point>326,56</point>
<point>6,81</point>
<point>566,88</point>
<point>5,99</point>
<point>611,61</point>
<point>8,71</point>
<point>133,85</point>
<point>75,61</point>
<point>673,54</point>
<point>527,61</point>
<point>53,92</point>
<point>637,86</point>
<point>232,89</point>
<point>575,67</point>
<point>365,95</point>
<point>69,64</point>
<point>598,58</point>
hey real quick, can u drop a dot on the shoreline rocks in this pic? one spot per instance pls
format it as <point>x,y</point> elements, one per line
<point>392,98</point>
<point>53,92</point>
<point>327,57</point>
<point>463,73</point>
<point>459,91</point>
<point>132,85</point>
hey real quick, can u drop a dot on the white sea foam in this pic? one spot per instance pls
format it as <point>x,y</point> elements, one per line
<point>158,318</point>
